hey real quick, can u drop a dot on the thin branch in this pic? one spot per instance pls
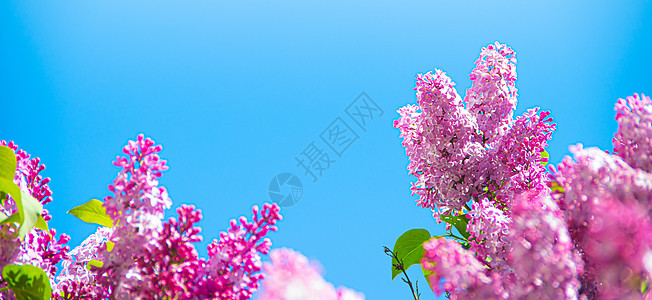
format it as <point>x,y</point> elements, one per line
<point>399,266</point>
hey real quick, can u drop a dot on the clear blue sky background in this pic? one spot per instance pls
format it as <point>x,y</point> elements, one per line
<point>235,90</point>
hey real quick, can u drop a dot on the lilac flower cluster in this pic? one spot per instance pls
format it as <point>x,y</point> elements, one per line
<point>465,275</point>
<point>581,231</point>
<point>541,252</point>
<point>76,280</point>
<point>152,259</point>
<point>607,202</point>
<point>292,277</point>
<point>479,151</point>
<point>141,256</point>
<point>489,227</point>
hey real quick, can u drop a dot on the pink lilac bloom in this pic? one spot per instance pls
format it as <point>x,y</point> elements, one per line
<point>458,273</point>
<point>151,259</point>
<point>291,276</point>
<point>76,280</point>
<point>440,143</point>
<point>517,157</point>
<point>633,140</point>
<point>136,207</point>
<point>544,263</point>
<point>475,151</point>
<point>460,154</point>
<point>614,245</point>
<point>536,259</point>
<point>492,96</point>
<point>233,270</point>
<point>488,228</point>
<point>607,200</point>
<point>606,203</point>
<point>171,265</point>
<point>41,249</point>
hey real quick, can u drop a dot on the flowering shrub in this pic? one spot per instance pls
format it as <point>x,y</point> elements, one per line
<point>135,255</point>
<point>581,230</point>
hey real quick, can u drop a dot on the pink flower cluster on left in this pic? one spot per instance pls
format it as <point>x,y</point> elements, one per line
<point>141,256</point>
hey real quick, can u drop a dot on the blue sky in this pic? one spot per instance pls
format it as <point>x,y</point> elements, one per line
<point>236,90</point>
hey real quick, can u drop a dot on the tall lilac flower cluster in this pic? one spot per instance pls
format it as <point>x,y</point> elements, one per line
<point>143,257</point>
<point>171,265</point>
<point>460,153</point>
<point>492,96</point>
<point>473,155</point>
<point>233,270</point>
<point>582,230</point>
<point>441,141</point>
<point>291,276</point>
<point>136,207</point>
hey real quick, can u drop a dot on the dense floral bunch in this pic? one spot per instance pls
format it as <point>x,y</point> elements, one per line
<point>140,256</point>
<point>607,202</point>
<point>582,230</point>
<point>292,277</point>
<point>479,151</point>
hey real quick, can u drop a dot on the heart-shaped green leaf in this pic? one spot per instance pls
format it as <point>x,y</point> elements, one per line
<point>92,212</point>
<point>409,249</point>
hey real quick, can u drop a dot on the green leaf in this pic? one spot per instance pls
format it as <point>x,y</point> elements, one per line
<point>459,222</point>
<point>545,155</point>
<point>29,211</point>
<point>644,286</point>
<point>109,245</point>
<point>8,163</point>
<point>92,212</point>
<point>95,263</point>
<point>41,224</point>
<point>409,249</point>
<point>9,187</point>
<point>14,218</point>
<point>27,282</point>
